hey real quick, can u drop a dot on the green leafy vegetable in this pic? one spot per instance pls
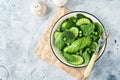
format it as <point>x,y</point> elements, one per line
<point>58,28</point>
<point>93,46</point>
<point>75,31</point>
<point>68,57</point>
<point>59,43</point>
<point>74,59</point>
<point>81,52</point>
<point>87,29</point>
<point>68,23</point>
<point>78,45</point>
<point>99,29</point>
<point>79,16</point>
<point>73,19</point>
<point>82,21</point>
<point>94,37</point>
<point>65,25</point>
<point>86,58</point>
<point>85,42</point>
<point>69,36</point>
<point>56,34</point>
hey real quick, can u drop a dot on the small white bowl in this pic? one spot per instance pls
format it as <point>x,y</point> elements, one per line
<point>59,21</point>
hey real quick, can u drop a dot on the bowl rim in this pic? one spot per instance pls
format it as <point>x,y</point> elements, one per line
<point>56,23</point>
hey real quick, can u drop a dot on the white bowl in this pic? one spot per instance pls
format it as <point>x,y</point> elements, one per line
<point>59,21</point>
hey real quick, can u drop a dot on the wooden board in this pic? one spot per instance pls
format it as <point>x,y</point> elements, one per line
<point>43,49</point>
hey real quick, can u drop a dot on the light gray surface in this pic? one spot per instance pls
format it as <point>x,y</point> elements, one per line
<point>20,30</point>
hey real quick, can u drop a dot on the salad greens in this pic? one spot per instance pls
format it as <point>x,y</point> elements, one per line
<point>86,57</point>
<point>69,37</point>
<point>76,38</point>
<point>87,29</point>
<point>73,59</point>
<point>75,31</point>
<point>78,45</point>
<point>82,21</point>
<point>59,43</point>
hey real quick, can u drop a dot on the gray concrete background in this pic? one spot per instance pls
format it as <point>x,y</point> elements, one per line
<point>20,31</point>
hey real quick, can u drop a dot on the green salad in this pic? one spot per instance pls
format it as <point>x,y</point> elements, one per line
<point>76,38</point>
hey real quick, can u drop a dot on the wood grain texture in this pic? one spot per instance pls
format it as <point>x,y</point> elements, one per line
<point>43,49</point>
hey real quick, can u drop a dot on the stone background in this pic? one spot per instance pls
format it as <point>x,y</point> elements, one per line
<point>20,31</point>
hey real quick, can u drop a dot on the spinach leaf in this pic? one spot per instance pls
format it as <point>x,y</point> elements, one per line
<point>99,29</point>
<point>93,46</point>
<point>59,43</point>
<point>81,52</point>
<point>75,31</point>
<point>94,37</point>
<point>68,23</point>
<point>87,29</point>
<point>68,57</point>
<point>86,58</point>
<point>86,41</point>
<point>56,33</point>
<point>65,25</point>
<point>74,47</point>
<point>73,19</point>
<point>83,21</point>
<point>73,59</point>
<point>79,16</point>
<point>70,37</point>
<point>78,45</point>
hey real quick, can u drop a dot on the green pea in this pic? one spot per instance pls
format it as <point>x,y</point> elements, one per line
<point>80,34</point>
<point>64,39</point>
<point>96,33</point>
<point>58,29</point>
<point>93,32</point>
<point>68,44</point>
<point>77,53</point>
<point>89,51</point>
<point>80,31</point>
